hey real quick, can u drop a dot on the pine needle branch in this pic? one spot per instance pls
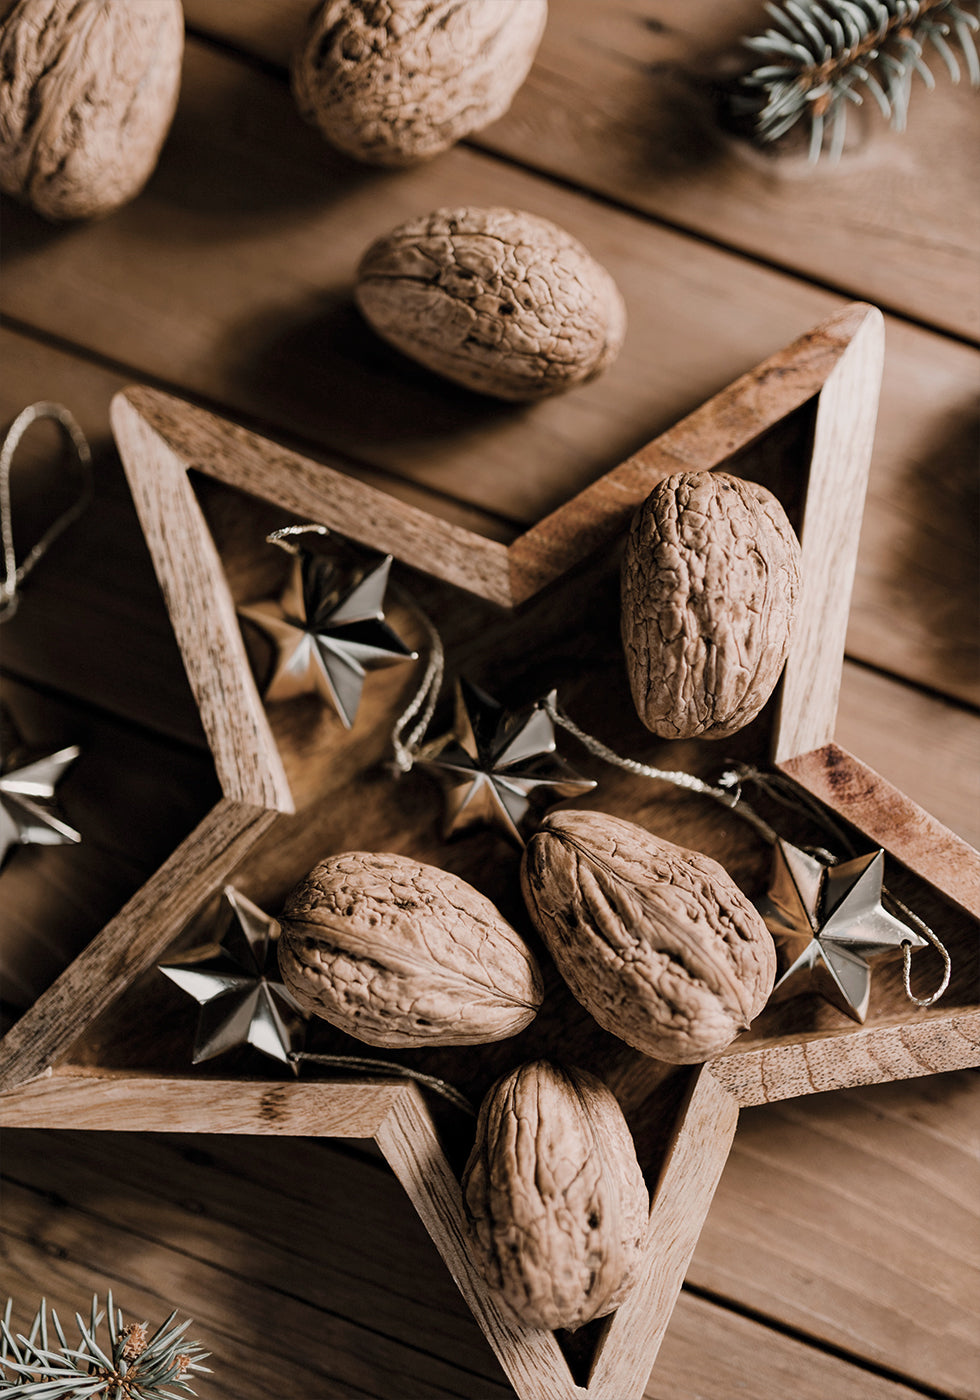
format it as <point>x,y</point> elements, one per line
<point>132,1366</point>
<point>822,56</point>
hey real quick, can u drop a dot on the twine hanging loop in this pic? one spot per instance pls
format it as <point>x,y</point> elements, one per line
<point>14,574</point>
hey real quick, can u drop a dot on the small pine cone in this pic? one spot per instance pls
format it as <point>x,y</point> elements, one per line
<point>136,1338</point>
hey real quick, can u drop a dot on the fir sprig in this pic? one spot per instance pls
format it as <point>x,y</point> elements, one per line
<point>131,1366</point>
<point>821,56</point>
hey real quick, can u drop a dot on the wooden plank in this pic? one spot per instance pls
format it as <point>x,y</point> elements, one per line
<point>855,1216</point>
<point>182,1220</point>
<point>621,102</point>
<point>293,352</point>
<point>265,1343</point>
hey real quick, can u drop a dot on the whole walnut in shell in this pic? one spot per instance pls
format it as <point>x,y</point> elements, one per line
<point>397,81</point>
<point>402,954</point>
<point>89,91</point>
<point>657,942</point>
<point>498,300</point>
<point>710,583</point>
<point>555,1196</point>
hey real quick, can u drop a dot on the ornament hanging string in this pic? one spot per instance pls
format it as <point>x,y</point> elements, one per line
<point>728,791</point>
<point>14,574</point>
<point>388,1068</point>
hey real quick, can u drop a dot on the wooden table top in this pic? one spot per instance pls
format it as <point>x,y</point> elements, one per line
<point>840,1257</point>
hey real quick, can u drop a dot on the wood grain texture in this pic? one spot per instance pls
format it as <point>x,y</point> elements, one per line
<point>224,1226</point>
<point>843,434</point>
<point>130,942</point>
<point>203,614</point>
<point>695,1160</point>
<point>622,102</point>
<point>290,353</point>
<point>864,798</point>
<point>854,1217</point>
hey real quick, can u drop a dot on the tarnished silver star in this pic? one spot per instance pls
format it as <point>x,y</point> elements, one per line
<point>494,765</point>
<point>327,636</point>
<point>237,984</point>
<point>829,920</point>
<point>28,814</point>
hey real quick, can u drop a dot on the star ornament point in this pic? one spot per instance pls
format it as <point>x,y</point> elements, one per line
<point>238,988</point>
<point>495,766</point>
<point>327,637</point>
<point>28,812</point>
<point>829,922</point>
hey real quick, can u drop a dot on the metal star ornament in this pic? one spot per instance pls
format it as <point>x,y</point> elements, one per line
<point>328,636</point>
<point>494,766</point>
<point>829,921</point>
<point>238,987</point>
<point>28,814</point>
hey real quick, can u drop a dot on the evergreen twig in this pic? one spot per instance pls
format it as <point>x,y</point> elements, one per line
<point>131,1366</point>
<point>821,56</point>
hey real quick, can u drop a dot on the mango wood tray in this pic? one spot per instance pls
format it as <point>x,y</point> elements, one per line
<point>107,1046</point>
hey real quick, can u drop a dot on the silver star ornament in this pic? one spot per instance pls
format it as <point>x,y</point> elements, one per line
<point>328,637</point>
<point>829,921</point>
<point>495,766</point>
<point>28,814</point>
<point>237,985</point>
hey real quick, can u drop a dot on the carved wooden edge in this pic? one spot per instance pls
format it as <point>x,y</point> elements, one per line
<point>879,810</point>
<point>161,439</point>
<point>202,612</point>
<point>727,423</point>
<point>131,942</point>
<point>843,437</point>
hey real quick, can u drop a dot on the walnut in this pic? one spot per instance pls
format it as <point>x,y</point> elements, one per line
<point>495,299</point>
<point>402,954</point>
<point>88,93</point>
<point>657,942</point>
<point>397,81</point>
<point>555,1196</point>
<point>711,578</point>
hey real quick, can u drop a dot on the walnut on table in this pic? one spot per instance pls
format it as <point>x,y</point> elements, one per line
<point>657,942</point>
<point>402,954</point>
<point>88,93</point>
<point>496,299</point>
<point>395,83</point>
<point>555,1196</point>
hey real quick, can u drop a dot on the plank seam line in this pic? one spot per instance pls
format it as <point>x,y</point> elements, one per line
<point>932,692</point>
<point>271,69</point>
<point>57,1198</point>
<point>799,1334</point>
<point>292,442</point>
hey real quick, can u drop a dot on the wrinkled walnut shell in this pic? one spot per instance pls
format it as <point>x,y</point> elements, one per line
<point>657,942</point>
<point>89,92</point>
<point>555,1196</point>
<point>495,299</point>
<point>710,583</point>
<point>392,84</point>
<point>401,954</point>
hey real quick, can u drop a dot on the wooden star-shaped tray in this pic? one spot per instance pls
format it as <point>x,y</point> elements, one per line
<point>108,1045</point>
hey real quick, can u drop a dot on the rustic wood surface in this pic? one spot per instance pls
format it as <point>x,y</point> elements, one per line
<point>840,1255</point>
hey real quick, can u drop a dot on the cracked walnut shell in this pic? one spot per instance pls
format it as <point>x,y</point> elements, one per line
<point>392,82</point>
<point>403,955</point>
<point>555,1196</point>
<point>710,584</point>
<point>88,92</point>
<point>498,300</point>
<point>657,942</point>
